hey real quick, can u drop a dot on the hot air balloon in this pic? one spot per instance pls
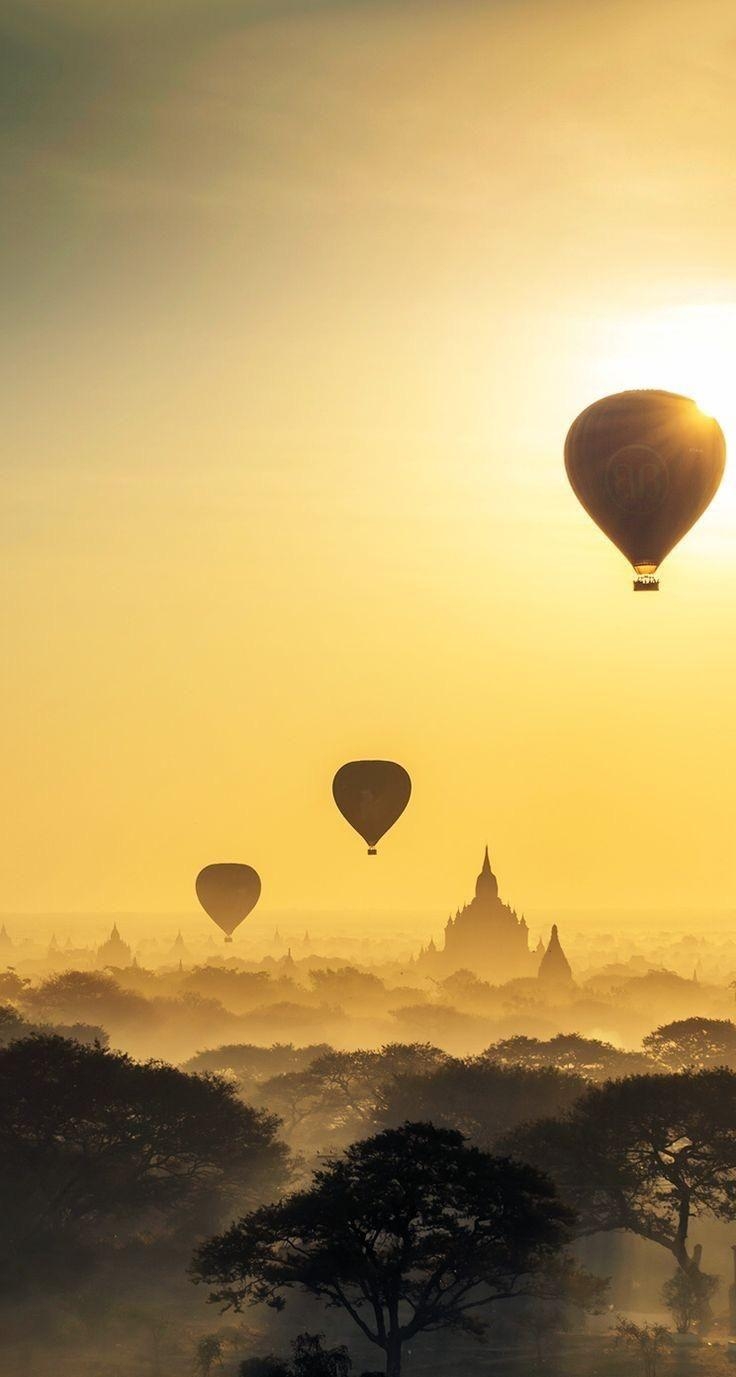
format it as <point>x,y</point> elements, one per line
<point>645,466</point>
<point>228,892</point>
<point>371,795</point>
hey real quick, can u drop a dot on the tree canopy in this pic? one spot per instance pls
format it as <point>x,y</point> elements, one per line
<point>95,1147</point>
<point>648,1154</point>
<point>411,1230</point>
<point>481,1099</point>
<point>697,1043</point>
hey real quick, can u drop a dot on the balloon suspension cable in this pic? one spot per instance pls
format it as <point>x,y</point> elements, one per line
<point>646,583</point>
<point>372,851</point>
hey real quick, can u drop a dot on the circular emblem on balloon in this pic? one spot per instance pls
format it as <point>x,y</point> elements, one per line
<point>637,479</point>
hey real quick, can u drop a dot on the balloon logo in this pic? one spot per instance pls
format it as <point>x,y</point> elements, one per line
<point>645,465</point>
<point>637,478</point>
<point>371,795</point>
<point>228,892</point>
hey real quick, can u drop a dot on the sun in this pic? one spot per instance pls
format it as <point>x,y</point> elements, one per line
<point>689,349</point>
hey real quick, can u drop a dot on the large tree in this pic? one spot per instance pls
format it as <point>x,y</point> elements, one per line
<point>96,1149</point>
<point>648,1154</point>
<point>694,1043</point>
<point>588,1057</point>
<point>410,1231</point>
<point>336,1097</point>
<point>481,1099</point>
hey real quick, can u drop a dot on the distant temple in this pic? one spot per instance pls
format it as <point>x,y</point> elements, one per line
<point>114,952</point>
<point>554,968</point>
<point>489,939</point>
<point>179,951</point>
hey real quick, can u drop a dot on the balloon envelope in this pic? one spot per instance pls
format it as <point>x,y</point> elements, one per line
<point>228,892</point>
<point>371,795</point>
<point>645,465</point>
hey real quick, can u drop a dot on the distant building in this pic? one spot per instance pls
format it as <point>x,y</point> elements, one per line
<point>554,968</point>
<point>179,952</point>
<point>485,937</point>
<point>6,942</point>
<point>114,952</point>
<point>488,938</point>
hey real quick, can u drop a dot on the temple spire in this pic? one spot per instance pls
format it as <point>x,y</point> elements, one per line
<point>554,968</point>
<point>486,886</point>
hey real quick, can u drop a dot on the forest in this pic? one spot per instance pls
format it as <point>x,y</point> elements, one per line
<point>297,1206</point>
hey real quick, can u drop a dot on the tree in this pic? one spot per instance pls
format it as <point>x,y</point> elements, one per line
<point>267,1366</point>
<point>688,1295</point>
<point>695,1043</point>
<point>647,1154</point>
<point>251,1064</point>
<point>310,1359</point>
<point>208,1354</point>
<point>588,1057</point>
<point>481,1099</point>
<point>410,1231</point>
<point>543,1320</point>
<point>337,1094</point>
<point>648,1340</point>
<point>13,1026</point>
<point>87,997</point>
<point>95,1147</point>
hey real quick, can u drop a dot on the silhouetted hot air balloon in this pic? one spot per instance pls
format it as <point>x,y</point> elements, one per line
<point>645,465</point>
<point>228,892</point>
<point>371,795</point>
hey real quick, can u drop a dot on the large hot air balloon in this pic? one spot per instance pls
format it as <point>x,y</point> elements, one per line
<point>228,892</point>
<point>645,465</point>
<point>371,795</point>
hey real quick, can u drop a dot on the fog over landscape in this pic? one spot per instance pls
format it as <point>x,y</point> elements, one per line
<point>367,888</point>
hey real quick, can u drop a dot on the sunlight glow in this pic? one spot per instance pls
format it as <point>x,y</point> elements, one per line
<point>686,349</point>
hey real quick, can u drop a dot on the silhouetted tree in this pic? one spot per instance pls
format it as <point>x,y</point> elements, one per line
<point>410,1231</point>
<point>94,1146</point>
<point>588,1057</point>
<point>481,1099</point>
<point>645,1154</point>
<point>310,1358</point>
<point>650,1341</point>
<point>348,986</point>
<point>13,1026</point>
<point>86,997</point>
<point>688,1295</point>
<point>267,1366</point>
<point>337,1095</point>
<point>252,1064</point>
<point>208,1354</point>
<point>695,1043</point>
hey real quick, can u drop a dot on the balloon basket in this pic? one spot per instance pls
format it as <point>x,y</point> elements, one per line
<point>228,939</point>
<point>372,851</point>
<point>646,583</point>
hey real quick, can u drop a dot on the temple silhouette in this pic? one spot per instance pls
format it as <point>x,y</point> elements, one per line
<point>488,938</point>
<point>115,951</point>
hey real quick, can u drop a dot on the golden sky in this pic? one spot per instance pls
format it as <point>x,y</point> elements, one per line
<point>299,301</point>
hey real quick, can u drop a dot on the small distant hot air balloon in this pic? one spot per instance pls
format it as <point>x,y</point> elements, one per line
<point>228,892</point>
<point>371,795</point>
<point>645,466</point>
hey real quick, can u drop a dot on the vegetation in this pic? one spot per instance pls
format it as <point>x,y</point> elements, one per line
<point>411,1231</point>
<point>99,1151</point>
<point>646,1154</point>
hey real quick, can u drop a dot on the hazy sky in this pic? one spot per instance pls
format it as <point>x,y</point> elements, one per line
<point>299,301</point>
